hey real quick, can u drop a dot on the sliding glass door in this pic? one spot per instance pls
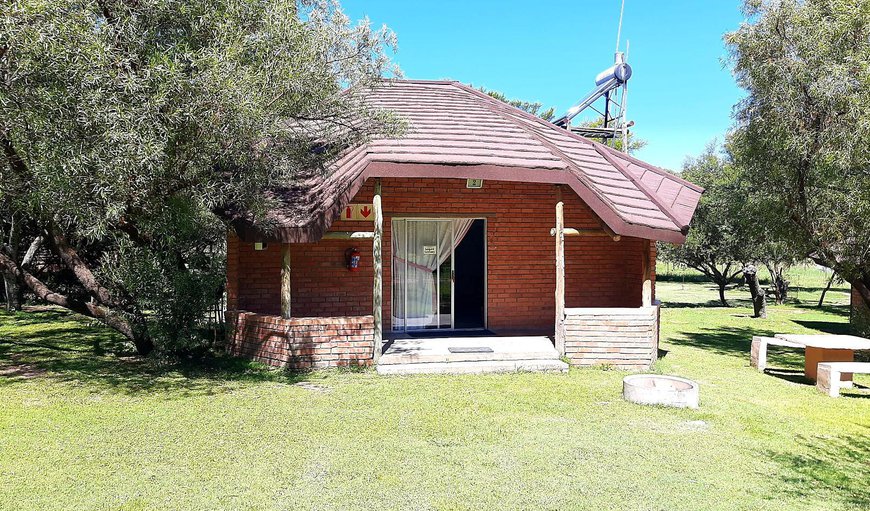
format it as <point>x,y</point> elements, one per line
<point>423,271</point>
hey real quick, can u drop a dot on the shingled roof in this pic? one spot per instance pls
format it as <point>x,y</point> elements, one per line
<point>455,131</point>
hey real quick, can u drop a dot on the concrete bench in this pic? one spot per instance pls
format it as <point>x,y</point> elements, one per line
<point>830,375</point>
<point>758,353</point>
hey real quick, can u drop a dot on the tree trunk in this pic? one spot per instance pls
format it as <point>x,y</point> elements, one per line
<point>825,291</point>
<point>136,331</point>
<point>780,285</point>
<point>13,292</point>
<point>10,283</point>
<point>759,300</point>
<point>722,293</point>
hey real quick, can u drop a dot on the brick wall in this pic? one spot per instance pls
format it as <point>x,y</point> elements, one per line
<point>623,338</point>
<point>521,257</point>
<point>302,343</point>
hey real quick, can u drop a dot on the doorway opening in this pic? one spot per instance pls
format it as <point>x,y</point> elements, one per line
<point>438,274</point>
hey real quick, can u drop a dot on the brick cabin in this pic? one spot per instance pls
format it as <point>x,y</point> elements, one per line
<point>465,203</point>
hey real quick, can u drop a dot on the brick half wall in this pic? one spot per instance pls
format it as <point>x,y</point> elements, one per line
<point>624,338</point>
<point>301,343</point>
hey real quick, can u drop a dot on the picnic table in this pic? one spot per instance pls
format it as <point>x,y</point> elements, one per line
<point>826,348</point>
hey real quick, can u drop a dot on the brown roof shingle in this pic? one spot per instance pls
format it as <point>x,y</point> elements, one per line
<point>456,131</point>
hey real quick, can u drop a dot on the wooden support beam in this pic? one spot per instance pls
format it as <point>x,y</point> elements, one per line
<point>647,275</point>
<point>378,285</point>
<point>567,231</point>
<point>286,282</point>
<point>560,278</point>
<point>609,231</point>
<point>347,235</point>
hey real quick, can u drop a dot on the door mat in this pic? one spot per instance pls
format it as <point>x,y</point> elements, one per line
<point>470,349</point>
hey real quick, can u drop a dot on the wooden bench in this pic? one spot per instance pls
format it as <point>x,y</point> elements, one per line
<point>830,374</point>
<point>758,353</point>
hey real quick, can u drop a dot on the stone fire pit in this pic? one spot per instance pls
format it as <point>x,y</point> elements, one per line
<point>657,389</point>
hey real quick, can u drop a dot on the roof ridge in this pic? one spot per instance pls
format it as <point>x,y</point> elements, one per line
<point>419,82</point>
<point>595,145</point>
<point>640,185</point>
<point>501,108</point>
<point>656,169</point>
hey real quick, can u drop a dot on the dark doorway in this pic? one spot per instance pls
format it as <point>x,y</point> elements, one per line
<point>469,307</point>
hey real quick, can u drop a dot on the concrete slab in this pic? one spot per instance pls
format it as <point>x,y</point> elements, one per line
<point>437,349</point>
<point>434,355</point>
<point>479,367</point>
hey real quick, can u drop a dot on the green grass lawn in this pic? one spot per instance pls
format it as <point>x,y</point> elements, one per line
<point>82,428</point>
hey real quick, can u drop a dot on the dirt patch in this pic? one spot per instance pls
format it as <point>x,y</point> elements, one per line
<point>25,371</point>
<point>311,386</point>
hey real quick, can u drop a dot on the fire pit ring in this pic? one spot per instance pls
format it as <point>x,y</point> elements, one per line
<point>659,389</point>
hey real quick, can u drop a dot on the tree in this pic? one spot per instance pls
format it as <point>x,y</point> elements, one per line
<point>714,244</point>
<point>802,132</point>
<point>532,107</point>
<point>129,128</point>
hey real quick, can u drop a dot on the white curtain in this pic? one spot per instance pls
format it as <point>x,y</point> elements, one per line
<point>420,247</point>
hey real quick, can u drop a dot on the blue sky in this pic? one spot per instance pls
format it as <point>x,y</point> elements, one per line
<point>680,95</point>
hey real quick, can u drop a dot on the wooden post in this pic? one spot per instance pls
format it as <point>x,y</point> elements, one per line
<point>560,278</point>
<point>378,287</point>
<point>647,275</point>
<point>286,283</point>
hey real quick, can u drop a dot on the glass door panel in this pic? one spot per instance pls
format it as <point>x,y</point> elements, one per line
<point>422,274</point>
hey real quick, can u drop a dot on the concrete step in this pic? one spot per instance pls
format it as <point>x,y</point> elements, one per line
<point>430,358</point>
<point>411,351</point>
<point>475,367</point>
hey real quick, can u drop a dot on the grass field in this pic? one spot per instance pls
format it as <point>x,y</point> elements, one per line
<point>82,428</point>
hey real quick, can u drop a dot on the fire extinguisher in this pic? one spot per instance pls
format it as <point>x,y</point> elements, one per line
<point>352,256</point>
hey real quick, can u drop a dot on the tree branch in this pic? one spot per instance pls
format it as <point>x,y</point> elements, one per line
<point>31,251</point>
<point>80,269</point>
<point>90,309</point>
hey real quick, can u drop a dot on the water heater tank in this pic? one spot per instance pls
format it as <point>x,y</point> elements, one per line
<point>621,72</point>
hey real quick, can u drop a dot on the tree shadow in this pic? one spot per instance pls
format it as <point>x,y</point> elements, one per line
<point>828,327</point>
<point>836,465</point>
<point>62,347</point>
<point>732,341</point>
<point>836,310</point>
<point>692,305</point>
<point>737,341</point>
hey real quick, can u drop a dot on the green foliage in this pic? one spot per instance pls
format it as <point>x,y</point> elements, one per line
<point>803,131</point>
<point>549,114</point>
<point>533,108</point>
<point>127,125</point>
<point>715,245</point>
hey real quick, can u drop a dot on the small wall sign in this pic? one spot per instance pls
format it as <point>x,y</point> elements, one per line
<point>358,212</point>
<point>474,183</point>
<point>429,250</point>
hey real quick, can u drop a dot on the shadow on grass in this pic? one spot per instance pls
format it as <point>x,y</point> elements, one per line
<point>692,305</point>
<point>835,465</point>
<point>737,341</point>
<point>60,346</point>
<point>732,341</point>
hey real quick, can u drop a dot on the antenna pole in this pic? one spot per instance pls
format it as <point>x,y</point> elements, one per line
<point>619,27</point>
<point>625,144</point>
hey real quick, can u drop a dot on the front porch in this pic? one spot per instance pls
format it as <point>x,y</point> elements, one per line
<point>304,309</point>
<point>467,355</point>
